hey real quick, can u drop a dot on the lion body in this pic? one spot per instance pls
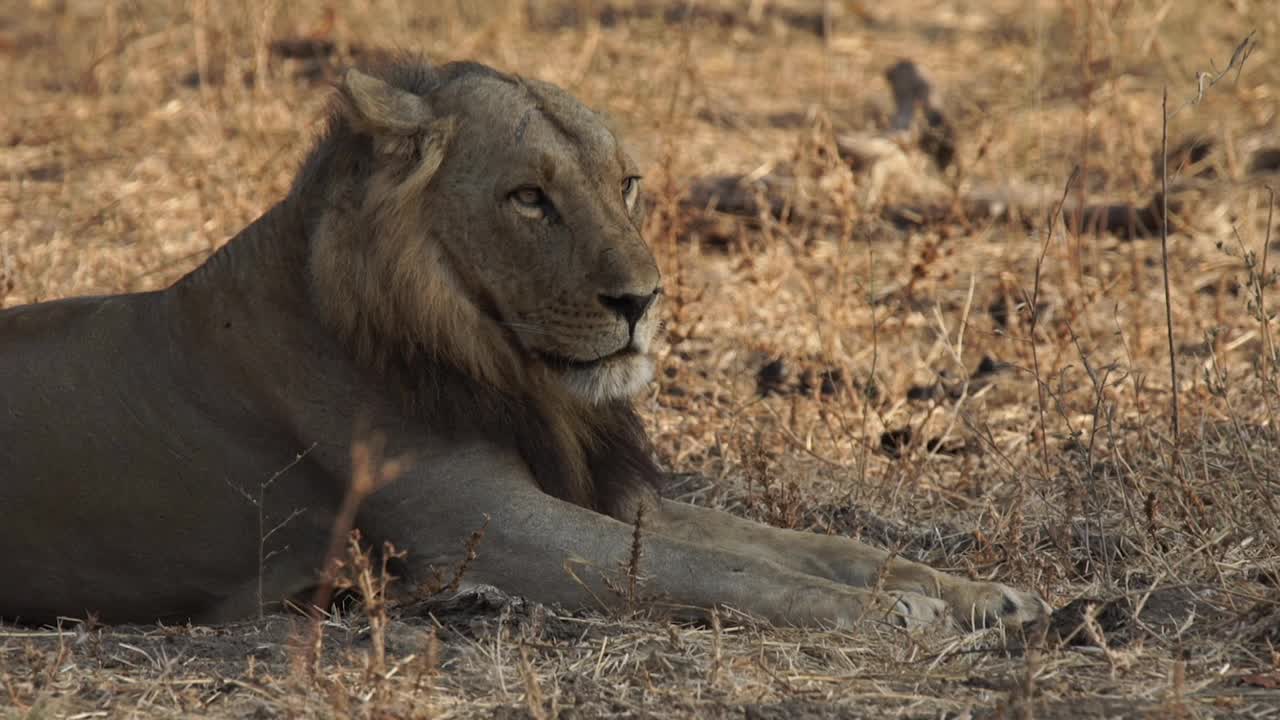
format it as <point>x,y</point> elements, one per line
<point>133,432</point>
<point>457,268</point>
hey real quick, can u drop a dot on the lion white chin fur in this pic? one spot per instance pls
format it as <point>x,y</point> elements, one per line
<point>619,377</point>
<point>612,380</point>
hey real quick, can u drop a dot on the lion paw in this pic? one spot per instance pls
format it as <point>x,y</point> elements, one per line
<point>980,605</point>
<point>915,610</point>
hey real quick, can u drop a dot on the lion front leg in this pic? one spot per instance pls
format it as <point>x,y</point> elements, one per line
<point>972,603</point>
<point>555,552</point>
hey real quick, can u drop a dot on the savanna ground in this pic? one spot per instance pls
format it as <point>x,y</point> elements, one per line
<point>987,393</point>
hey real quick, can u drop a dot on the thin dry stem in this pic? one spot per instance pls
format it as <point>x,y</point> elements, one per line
<point>1033,305</point>
<point>1164,267</point>
<point>633,559</point>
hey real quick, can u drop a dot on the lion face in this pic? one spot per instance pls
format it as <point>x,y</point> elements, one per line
<point>507,217</point>
<point>554,239</point>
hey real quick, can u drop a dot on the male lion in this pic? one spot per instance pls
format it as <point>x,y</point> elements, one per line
<point>459,261</point>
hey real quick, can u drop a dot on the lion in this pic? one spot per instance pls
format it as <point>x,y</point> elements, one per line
<point>459,264</point>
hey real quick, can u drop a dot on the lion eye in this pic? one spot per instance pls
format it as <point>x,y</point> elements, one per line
<point>630,189</point>
<point>528,196</point>
<point>531,201</point>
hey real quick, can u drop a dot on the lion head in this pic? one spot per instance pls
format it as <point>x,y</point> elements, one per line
<point>501,219</point>
<point>475,237</point>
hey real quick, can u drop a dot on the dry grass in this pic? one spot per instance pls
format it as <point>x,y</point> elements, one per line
<point>138,135</point>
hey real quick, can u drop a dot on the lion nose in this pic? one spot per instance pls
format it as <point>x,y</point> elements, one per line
<point>630,307</point>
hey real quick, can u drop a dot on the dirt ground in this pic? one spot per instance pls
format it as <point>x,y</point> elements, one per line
<point>854,344</point>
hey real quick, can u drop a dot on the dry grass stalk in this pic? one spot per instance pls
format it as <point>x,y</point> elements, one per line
<point>438,584</point>
<point>1032,305</point>
<point>369,472</point>
<point>373,593</point>
<point>428,669</point>
<point>1178,688</point>
<point>200,25</point>
<point>1175,431</point>
<point>633,559</point>
<point>1092,628</point>
<point>265,534</point>
<point>533,690</point>
<point>1204,81</point>
<point>717,658</point>
<point>262,47</point>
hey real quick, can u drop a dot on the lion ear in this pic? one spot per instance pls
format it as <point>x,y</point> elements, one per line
<point>375,107</point>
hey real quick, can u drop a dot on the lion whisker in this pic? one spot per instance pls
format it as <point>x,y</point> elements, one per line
<point>528,328</point>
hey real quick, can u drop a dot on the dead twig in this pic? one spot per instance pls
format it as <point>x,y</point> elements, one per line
<point>1164,265</point>
<point>1033,307</point>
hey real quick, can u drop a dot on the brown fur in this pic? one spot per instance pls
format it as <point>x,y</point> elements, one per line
<point>460,262</point>
<point>410,309</point>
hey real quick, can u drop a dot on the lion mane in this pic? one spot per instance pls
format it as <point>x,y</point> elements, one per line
<point>399,307</point>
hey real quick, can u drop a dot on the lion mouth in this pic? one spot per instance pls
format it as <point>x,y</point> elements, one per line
<point>620,374</point>
<point>562,363</point>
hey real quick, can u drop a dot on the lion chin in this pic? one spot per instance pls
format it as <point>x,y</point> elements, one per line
<point>613,378</point>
